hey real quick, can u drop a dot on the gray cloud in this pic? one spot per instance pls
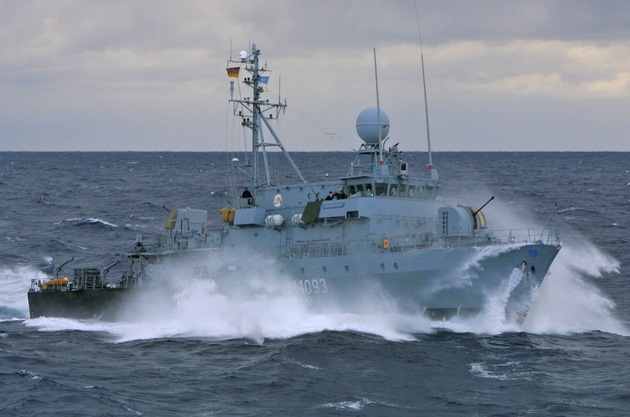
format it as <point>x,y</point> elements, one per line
<point>150,75</point>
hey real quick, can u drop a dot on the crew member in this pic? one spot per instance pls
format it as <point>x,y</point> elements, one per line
<point>246,194</point>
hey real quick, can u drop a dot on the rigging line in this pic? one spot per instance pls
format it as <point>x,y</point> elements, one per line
<point>232,147</point>
<point>229,136</point>
<point>228,131</point>
<point>235,109</point>
<point>241,107</point>
<point>313,123</point>
<point>227,116</point>
<point>424,87</point>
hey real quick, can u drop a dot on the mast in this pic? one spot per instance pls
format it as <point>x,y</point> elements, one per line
<point>251,111</point>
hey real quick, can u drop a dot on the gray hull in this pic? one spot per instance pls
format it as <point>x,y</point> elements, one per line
<point>438,282</point>
<point>106,304</point>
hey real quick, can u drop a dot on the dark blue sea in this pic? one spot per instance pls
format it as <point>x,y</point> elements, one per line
<point>216,357</point>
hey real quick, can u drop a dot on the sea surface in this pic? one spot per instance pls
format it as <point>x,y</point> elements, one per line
<point>570,357</point>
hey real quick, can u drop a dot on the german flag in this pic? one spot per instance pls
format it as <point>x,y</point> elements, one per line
<point>233,72</point>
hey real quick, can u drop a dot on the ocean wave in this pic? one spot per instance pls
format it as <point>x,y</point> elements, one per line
<point>16,281</point>
<point>43,201</point>
<point>356,404</point>
<point>135,216</point>
<point>571,209</point>
<point>88,221</point>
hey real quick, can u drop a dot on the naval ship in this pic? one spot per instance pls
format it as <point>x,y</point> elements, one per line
<point>376,235</point>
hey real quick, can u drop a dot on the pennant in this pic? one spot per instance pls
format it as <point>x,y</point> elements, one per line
<point>233,72</point>
<point>264,80</point>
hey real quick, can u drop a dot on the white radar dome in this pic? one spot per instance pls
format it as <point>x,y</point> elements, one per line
<point>367,125</point>
<point>242,55</point>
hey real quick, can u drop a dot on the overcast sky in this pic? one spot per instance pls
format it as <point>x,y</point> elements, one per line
<point>150,75</point>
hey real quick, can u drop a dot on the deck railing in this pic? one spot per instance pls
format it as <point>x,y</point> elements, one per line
<point>407,243</point>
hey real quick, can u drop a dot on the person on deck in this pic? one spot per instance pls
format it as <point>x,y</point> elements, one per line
<point>246,194</point>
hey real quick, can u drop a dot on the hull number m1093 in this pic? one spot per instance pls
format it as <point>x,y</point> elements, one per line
<point>311,286</point>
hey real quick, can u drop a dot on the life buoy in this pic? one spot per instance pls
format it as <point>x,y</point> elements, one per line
<point>385,243</point>
<point>277,200</point>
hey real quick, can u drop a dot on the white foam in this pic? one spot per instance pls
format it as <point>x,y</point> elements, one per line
<point>569,301</point>
<point>16,281</point>
<point>354,405</point>
<point>90,220</point>
<point>201,311</point>
<point>187,307</point>
<point>482,371</point>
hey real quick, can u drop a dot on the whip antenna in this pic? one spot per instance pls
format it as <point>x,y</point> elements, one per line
<point>378,113</point>
<point>432,169</point>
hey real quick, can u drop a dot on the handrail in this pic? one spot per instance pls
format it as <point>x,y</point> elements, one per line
<point>419,242</point>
